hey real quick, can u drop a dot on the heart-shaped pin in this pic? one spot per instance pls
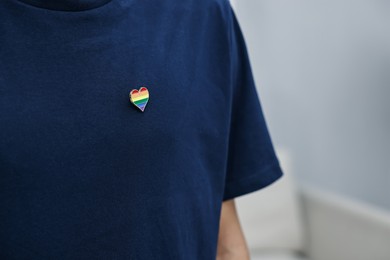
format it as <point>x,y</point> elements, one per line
<point>139,97</point>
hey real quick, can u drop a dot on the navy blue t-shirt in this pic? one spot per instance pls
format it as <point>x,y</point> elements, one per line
<point>85,173</point>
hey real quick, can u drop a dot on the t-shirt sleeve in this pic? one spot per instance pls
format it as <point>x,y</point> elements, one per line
<point>252,163</point>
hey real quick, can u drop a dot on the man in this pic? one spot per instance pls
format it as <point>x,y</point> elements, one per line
<point>128,127</point>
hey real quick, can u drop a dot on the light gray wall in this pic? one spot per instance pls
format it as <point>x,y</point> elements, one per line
<point>322,69</point>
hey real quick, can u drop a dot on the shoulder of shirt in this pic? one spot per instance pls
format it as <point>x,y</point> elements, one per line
<point>210,3</point>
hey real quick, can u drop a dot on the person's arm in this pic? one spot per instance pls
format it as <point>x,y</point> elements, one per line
<point>231,240</point>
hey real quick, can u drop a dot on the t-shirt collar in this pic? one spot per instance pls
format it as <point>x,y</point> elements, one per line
<point>67,5</point>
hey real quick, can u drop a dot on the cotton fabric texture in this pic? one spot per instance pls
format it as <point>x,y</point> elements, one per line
<point>84,174</point>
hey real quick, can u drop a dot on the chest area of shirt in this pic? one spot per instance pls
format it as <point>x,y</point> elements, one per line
<point>68,100</point>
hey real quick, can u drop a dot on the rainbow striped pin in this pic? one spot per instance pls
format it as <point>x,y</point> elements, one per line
<point>139,97</point>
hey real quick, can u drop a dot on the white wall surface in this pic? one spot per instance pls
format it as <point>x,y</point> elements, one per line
<point>322,69</point>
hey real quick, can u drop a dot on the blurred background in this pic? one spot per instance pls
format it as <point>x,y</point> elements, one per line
<point>322,70</point>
